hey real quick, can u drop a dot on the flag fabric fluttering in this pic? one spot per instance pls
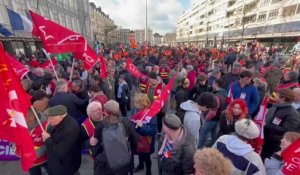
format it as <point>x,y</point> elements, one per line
<point>13,109</point>
<point>132,69</point>
<point>259,120</point>
<point>147,114</point>
<point>18,67</point>
<point>56,38</point>
<point>291,157</point>
<point>132,42</point>
<point>103,67</point>
<point>4,31</point>
<point>89,57</point>
<point>19,22</point>
<point>47,64</point>
<point>229,95</point>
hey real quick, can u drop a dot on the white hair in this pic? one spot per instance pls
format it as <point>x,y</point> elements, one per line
<point>92,106</point>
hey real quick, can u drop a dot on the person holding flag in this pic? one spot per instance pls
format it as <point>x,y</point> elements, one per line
<point>275,163</point>
<point>146,128</point>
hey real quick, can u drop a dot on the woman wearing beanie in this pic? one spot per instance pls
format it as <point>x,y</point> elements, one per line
<point>275,163</point>
<point>236,148</point>
<point>176,148</point>
<point>235,111</point>
<point>146,129</point>
<point>281,117</point>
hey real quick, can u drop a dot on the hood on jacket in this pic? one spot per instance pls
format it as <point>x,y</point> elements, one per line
<point>190,106</point>
<point>221,91</point>
<point>237,146</point>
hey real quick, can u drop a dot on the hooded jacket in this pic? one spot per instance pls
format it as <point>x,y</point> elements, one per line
<point>244,159</point>
<point>192,119</point>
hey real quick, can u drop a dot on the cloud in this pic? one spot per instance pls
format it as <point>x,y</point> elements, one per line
<point>162,14</point>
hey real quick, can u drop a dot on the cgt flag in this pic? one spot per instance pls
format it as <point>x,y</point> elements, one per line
<point>56,38</point>
<point>147,114</point>
<point>132,69</point>
<point>103,68</point>
<point>13,109</point>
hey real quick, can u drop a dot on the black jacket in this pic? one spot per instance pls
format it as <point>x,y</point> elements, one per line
<point>181,160</point>
<point>280,119</point>
<point>221,94</point>
<point>100,163</point>
<point>181,95</point>
<point>229,78</point>
<point>226,127</point>
<point>63,148</point>
<point>198,90</point>
<point>125,94</point>
<point>70,101</point>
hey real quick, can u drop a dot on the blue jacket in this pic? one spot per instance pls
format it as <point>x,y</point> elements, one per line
<point>251,98</point>
<point>149,129</point>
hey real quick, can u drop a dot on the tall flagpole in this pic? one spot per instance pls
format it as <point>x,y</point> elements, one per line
<point>146,21</point>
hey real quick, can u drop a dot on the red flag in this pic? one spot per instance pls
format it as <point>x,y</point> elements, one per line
<point>47,64</point>
<point>291,157</point>
<point>56,38</point>
<point>147,114</point>
<point>18,67</point>
<point>89,57</point>
<point>13,109</point>
<point>229,95</point>
<point>103,68</point>
<point>132,69</point>
<point>260,120</point>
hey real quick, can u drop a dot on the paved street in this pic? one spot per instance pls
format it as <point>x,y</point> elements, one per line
<point>14,168</point>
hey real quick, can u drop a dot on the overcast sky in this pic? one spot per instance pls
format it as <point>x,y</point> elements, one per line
<point>162,14</point>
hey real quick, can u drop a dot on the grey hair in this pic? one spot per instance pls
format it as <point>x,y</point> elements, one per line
<point>91,106</point>
<point>60,85</point>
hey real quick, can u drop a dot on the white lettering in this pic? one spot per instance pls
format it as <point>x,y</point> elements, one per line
<point>44,33</point>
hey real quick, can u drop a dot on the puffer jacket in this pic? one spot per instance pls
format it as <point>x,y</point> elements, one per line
<point>181,159</point>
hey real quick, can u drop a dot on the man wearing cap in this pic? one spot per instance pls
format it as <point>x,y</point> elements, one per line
<point>236,148</point>
<point>176,148</point>
<point>153,89</point>
<point>62,142</point>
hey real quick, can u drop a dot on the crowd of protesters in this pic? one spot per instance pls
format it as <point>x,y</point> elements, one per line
<point>213,103</point>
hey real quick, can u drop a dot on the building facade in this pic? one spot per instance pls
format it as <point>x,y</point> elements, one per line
<point>101,25</point>
<point>170,39</point>
<point>216,22</point>
<point>157,39</point>
<point>140,36</point>
<point>73,14</point>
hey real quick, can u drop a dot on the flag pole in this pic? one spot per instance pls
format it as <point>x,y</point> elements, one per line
<point>37,118</point>
<point>48,57</point>
<point>73,63</point>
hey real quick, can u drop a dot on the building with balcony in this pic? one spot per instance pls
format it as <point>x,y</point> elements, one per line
<point>73,14</point>
<point>216,22</point>
<point>102,25</point>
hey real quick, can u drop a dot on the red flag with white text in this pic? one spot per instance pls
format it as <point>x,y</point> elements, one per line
<point>229,95</point>
<point>132,69</point>
<point>13,109</point>
<point>259,121</point>
<point>291,157</point>
<point>147,114</point>
<point>103,67</point>
<point>56,38</point>
<point>89,57</point>
<point>18,67</point>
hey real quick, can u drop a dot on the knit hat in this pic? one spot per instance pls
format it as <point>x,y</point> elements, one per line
<point>112,107</point>
<point>246,128</point>
<point>58,110</point>
<point>172,121</point>
<point>153,75</point>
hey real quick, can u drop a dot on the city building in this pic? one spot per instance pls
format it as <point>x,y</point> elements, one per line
<point>170,39</point>
<point>73,14</point>
<point>101,25</point>
<point>216,22</point>
<point>140,36</point>
<point>157,39</point>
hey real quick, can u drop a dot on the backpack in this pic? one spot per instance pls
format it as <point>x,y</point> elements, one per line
<point>180,113</point>
<point>116,146</point>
